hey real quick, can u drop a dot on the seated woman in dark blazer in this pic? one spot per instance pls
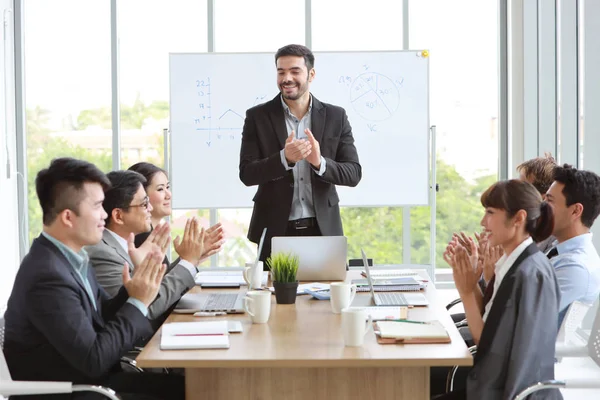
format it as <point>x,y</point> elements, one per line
<point>158,189</point>
<point>514,324</point>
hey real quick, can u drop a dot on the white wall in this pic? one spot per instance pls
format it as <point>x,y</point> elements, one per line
<point>9,248</point>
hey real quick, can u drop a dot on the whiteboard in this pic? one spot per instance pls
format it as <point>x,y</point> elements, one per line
<point>385,94</point>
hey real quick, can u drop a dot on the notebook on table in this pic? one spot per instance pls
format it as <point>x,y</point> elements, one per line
<point>389,332</point>
<point>195,335</point>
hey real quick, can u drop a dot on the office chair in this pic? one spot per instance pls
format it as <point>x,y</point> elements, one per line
<point>573,318</point>
<point>591,350</point>
<point>8,387</point>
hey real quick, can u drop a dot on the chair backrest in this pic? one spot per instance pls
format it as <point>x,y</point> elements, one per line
<point>594,341</point>
<point>4,372</point>
<point>573,320</point>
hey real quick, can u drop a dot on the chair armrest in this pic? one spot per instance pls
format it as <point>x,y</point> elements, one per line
<point>540,386</point>
<point>15,388</point>
<point>461,323</point>
<point>452,372</point>
<point>108,393</point>
<point>571,351</point>
<point>473,350</point>
<point>130,363</point>
<point>453,303</point>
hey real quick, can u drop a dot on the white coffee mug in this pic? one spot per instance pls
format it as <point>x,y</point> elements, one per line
<point>342,295</point>
<point>253,275</point>
<point>257,304</point>
<point>354,327</point>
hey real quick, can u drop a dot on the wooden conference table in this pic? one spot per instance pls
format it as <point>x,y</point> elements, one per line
<point>299,354</point>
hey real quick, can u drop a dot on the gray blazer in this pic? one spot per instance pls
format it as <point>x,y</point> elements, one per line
<point>108,258</point>
<point>517,344</point>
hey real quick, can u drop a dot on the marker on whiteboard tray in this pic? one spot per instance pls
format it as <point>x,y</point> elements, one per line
<point>425,53</point>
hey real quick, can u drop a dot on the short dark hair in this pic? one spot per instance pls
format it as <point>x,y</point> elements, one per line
<point>299,51</point>
<point>60,186</point>
<point>540,170</point>
<point>148,170</point>
<point>580,187</point>
<point>514,195</point>
<point>124,186</point>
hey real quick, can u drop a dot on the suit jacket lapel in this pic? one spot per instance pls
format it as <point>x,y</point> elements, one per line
<point>278,120</point>
<point>492,322</point>
<point>112,242</point>
<point>317,119</point>
<point>95,315</point>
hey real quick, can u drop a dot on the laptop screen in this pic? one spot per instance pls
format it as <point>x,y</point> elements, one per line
<point>368,273</point>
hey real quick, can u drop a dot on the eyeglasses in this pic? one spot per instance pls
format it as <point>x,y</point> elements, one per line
<point>144,204</point>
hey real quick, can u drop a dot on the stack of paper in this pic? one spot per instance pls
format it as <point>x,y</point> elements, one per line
<point>195,335</point>
<point>225,277</point>
<point>390,284</point>
<point>376,273</point>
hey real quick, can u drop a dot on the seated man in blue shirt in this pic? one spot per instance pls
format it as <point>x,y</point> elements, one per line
<point>575,199</point>
<point>60,325</point>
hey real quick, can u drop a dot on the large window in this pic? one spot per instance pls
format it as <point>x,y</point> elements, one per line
<point>340,25</point>
<point>252,26</point>
<point>68,94</point>
<point>145,41</point>
<point>370,27</point>
<point>67,74</point>
<point>257,25</point>
<point>464,107</point>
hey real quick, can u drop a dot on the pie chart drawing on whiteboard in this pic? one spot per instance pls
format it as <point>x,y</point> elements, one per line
<point>375,97</point>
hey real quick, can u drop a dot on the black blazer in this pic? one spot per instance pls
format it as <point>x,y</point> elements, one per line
<point>53,332</point>
<point>263,138</point>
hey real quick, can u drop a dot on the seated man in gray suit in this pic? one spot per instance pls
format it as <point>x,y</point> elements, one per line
<point>128,209</point>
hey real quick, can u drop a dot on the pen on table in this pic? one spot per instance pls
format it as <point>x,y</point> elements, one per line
<point>408,321</point>
<point>208,314</point>
<point>199,334</point>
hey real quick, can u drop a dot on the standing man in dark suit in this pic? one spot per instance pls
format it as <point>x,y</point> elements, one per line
<point>296,149</point>
<point>60,324</point>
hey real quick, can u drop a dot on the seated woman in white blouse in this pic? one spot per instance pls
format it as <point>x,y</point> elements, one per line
<point>515,325</point>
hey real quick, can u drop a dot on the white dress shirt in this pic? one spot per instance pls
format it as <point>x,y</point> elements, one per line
<point>502,267</point>
<point>184,263</point>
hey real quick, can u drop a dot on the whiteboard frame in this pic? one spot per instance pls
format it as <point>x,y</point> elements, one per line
<point>316,53</point>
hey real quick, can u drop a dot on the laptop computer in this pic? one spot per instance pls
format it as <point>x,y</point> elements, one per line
<point>228,277</point>
<point>389,298</point>
<point>322,258</point>
<point>228,302</point>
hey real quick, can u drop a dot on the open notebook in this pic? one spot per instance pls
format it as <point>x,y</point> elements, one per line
<point>411,332</point>
<point>195,335</point>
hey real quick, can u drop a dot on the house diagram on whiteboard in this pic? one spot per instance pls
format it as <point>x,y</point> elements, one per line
<point>224,125</point>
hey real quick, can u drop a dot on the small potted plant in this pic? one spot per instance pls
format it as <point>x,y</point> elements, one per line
<point>284,267</point>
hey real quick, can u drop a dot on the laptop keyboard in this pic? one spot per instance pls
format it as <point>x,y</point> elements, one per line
<point>391,298</point>
<point>221,301</point>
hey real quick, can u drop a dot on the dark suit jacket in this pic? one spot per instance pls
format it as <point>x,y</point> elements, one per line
<point>518,340</point>
<point>263,138</point>
<point>53,332</point>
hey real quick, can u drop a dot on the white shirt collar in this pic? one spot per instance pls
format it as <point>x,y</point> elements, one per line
<point>502,267</point>
<point>119,239</point>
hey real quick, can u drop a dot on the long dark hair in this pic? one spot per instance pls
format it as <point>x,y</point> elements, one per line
<point>148,170</point>
<point>514,195</point>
